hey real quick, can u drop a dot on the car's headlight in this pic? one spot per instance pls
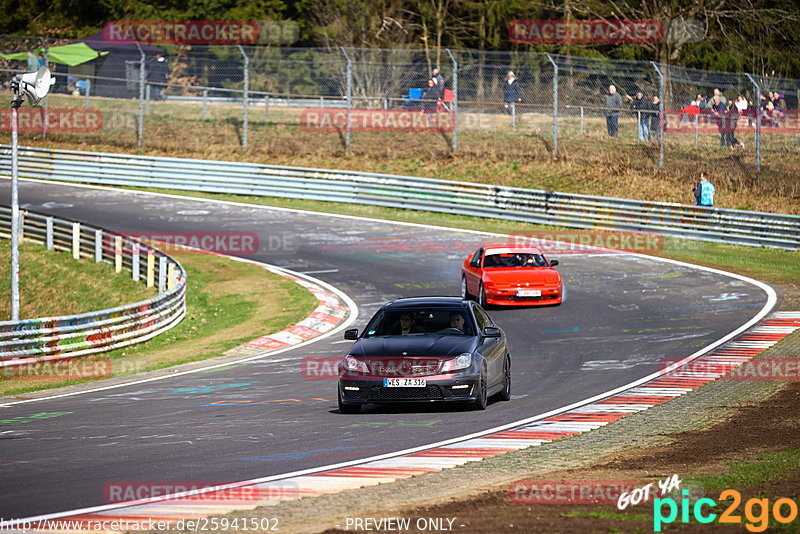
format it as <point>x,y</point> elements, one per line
<point>463,361</point>
<point>352,364</point>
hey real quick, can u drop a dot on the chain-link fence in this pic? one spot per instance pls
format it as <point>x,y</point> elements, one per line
<point>219,99</point>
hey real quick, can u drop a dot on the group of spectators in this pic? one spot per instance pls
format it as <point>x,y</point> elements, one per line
<point>648,114</point>
<point>433,95</point>
<point>648,117</point>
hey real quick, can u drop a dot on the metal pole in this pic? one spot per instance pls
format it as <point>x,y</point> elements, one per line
<point>266,108</point>
<point>581,120</point>
<point>349,99</point>
<point>246,89</point>
<point>46,99</point>
<point>513,117</point>
<point>757,111</point>
<point>15,207</point>
<point>205,99</point>
<point>555,105</point>
<point>88,90</point>
<point>660,114</point>
<point>696,131</point>
<point>455,100</point>
<point>147,99</point>
<point>141,96</point>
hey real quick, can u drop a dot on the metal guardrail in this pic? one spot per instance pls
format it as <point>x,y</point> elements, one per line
<point>463,198</point>
<point>88,333</point>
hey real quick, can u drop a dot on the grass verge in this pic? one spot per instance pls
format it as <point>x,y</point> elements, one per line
<point>53,283</point>
<point>228,303</point>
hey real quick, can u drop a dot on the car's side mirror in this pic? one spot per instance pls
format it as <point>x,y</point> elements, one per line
<point>351,334</point>
<point>475,264</point>
<point>553,263</point>
<point>491,331</point>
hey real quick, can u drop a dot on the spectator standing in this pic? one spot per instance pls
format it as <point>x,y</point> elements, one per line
<point>719,111</point>
<point>435,74</point>
<point>612,106</point>
<point>33,63</point>
<point>702,102</point>
<point>41,60</point>
<point>704,192</point>
<point>511,93</point>
<point>157,76</point>
<point>781,102</point>
<point>432,97</point>
<point>639,107</point>
<point>732,116</point>
<point>655,119</point>
<point>718,93</point>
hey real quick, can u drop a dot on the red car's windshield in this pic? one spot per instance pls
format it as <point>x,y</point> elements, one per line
<point>522,259</point>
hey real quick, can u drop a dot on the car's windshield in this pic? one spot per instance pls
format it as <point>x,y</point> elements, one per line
<point>445,321</point>
<point>521,259</point>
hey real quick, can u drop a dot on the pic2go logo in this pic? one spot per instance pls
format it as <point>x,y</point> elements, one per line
<point>783,510</point>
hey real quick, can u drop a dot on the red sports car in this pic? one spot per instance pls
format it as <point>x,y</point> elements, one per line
<point>519,276</point>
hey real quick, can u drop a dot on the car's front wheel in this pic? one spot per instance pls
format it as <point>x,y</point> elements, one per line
<point>464,292</point>
<point>505,393</point>
<point>480,392</point>
<point>348,408</point>
<point>482,296</point>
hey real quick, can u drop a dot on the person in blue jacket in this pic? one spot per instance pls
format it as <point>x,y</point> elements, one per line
<point>704,192</point>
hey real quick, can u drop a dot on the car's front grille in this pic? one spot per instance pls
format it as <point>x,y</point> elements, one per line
<point>378,393</point>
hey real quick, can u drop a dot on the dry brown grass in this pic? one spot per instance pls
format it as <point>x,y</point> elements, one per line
<point>488,152</point>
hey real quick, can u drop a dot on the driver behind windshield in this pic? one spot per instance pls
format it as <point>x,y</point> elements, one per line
<point>457,321</point>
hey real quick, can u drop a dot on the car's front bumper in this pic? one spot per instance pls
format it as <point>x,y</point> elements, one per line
<point>461,389</point>
<point>508,297</point>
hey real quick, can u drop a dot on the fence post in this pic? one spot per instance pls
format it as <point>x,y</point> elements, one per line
<point>98,246</point>
<point>266,108</point>
<point>88,90</point>
<point>660,114</point>
<point>696,131</point>
<point>46,101</point>
<point>555,105</point>
<point>150,267</point>
<point>513,117</point>
<point>455,100</point>
<point>76,240</point>
<point>162,274</point>
<point>349,99</point>
<point>135,261</point>
<point>141,96</point>
<point>757,111</point>
<point>118,253</point>
<point>170,276</point>
<point>49,235</point>
<point>147,99</point>
<point>205,102</point>
<point>581,120</point>
<point>246,95</point>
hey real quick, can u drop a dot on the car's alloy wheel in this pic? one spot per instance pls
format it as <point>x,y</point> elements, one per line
<point>505,393</point>
<point>464,292</point>
<point>482,296</point>
<point>347,408</point>
<point>480,394</point>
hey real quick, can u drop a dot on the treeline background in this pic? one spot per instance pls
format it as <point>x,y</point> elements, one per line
<point>757,36</point>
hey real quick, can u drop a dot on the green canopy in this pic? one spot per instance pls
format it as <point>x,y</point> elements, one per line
<point>71,54</point>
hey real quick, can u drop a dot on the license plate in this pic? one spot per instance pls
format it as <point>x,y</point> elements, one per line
<point>529,292</point>
<point>404,383</point>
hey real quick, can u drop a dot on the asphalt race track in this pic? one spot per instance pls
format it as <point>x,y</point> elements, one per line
<point>623,315</point>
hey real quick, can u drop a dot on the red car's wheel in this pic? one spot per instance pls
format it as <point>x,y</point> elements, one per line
<point>464,293</point>
<point>482,296</point>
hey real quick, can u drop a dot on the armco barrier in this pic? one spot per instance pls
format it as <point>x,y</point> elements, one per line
<point>51,338</point>
<point>512,203</point>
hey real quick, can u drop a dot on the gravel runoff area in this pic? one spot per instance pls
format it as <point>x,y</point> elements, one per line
<point>694,434</point>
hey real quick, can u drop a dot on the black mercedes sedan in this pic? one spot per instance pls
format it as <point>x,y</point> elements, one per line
<point>426,349</point>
